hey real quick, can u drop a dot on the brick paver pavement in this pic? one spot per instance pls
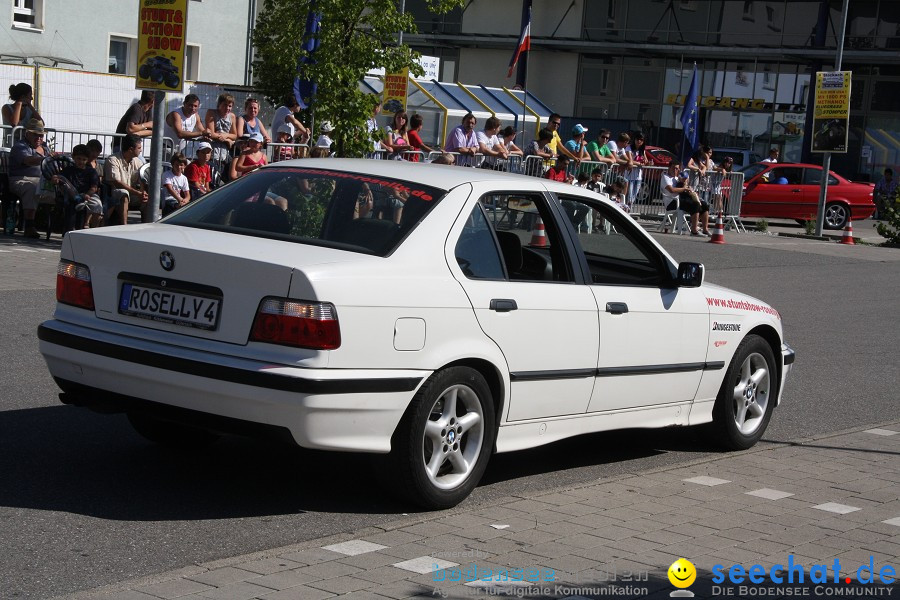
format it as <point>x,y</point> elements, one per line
<point>825,502</point>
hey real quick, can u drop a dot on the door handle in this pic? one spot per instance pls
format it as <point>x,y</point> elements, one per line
<point>616,308</point>
<point>503,305</point>
<point>796,191</point>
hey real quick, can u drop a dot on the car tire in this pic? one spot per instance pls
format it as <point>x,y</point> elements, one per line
<point>172,80</point>
<point>747,397</point>
<point>836,215</point>
<point>144,72</point>
<point>442,445</point>
<point>169,433</point>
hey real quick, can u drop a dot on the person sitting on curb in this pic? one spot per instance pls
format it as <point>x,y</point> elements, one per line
<point>121,171</point>
<point>199,173</point>
<point>558,172</point>
<point>176,191</point>
<point>81,184</point>
<point>25,160</point>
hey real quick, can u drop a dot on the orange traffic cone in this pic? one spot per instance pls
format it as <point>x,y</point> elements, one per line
<point>538,235</point>
<point>718,236</point>
<point>848,234</point>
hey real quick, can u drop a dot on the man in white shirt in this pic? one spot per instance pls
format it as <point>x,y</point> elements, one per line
<point>489,144</point>
<point>773,156</point>
<point>184,124</point>
<point>677,194</point>
<point>285,114</point>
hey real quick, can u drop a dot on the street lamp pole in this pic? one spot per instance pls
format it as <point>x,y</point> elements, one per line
<point>826,158</point>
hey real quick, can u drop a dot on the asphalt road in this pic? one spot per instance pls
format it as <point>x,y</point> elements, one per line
<point>84,501</point>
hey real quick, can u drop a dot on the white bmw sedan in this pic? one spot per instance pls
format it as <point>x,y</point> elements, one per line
<point>432,314</point>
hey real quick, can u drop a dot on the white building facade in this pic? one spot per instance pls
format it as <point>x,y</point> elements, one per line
<point>100,36</point>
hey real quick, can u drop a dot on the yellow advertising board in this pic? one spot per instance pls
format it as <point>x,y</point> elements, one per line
<point>162,34</point>
<point>394,95</point>
<point>831,112</point>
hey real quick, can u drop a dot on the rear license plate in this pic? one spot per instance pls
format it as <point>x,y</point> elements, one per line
<point>169,306</point>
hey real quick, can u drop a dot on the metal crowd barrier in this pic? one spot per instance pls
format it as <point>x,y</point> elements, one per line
<point>6,136</point>
<point>63,140</point>
<point>277,151</point>
<point>414,156</point>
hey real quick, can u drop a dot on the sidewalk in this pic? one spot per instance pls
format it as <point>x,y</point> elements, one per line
<point>827,501</point>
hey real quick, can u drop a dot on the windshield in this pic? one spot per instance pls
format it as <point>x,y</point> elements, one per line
<point>351,211</point>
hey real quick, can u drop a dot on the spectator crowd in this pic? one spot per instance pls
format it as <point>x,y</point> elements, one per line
<point>218,145</point>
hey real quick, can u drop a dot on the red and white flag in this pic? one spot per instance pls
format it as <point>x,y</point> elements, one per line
<point>524,44</point>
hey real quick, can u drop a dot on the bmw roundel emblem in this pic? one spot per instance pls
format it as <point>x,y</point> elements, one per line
<point>166,260</point>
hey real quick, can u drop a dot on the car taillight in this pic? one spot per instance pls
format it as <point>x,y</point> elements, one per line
<point>73,285</point>
<point>297,323</point>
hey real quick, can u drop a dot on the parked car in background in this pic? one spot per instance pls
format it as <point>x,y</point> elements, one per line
<point>742,156</point>
<point>659,157</point>
<point>791,191</point>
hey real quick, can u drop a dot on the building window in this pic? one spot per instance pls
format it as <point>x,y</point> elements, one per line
<point>121,55</point>
<point>28,14</point>
<point>192,63</point>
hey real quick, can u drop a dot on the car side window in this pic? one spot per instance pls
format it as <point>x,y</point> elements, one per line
<point>615,252</point>
<point>528,237</point>
<point>814,177</point>
<point>784,176</point>
<point>476,250</point>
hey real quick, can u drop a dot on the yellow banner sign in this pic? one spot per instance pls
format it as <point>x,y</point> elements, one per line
<point>831,112</point>
<point>729,103</point>
<point>395,86</point>
<point>162,35</point>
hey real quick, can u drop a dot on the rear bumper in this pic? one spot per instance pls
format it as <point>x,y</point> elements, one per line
<point>353,410</point>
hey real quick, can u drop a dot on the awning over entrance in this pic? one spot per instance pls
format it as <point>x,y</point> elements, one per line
<point>443,105</point>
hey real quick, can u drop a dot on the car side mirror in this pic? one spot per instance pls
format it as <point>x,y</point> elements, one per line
<point>690,274</point>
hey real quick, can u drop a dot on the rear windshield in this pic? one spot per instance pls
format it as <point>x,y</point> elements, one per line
<point>352,211</point>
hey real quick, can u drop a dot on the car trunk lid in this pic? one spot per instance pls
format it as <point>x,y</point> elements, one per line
<point>189,281</point>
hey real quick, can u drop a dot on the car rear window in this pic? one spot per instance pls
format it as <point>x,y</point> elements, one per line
<point>351,211</point>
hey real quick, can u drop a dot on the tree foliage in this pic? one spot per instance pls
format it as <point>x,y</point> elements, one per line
<point>889,227</point>
<point>355,36</point>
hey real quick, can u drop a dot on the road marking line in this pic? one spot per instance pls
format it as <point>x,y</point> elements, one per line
<point>24,250</point>
<point>894,521</point>
<point>704,480</point>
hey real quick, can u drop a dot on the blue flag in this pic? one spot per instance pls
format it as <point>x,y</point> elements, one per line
<point>690,119</point>
<point>305,89</point>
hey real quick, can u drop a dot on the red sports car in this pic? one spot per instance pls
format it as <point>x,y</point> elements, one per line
<point>791,191</point>
<point>659,157</point>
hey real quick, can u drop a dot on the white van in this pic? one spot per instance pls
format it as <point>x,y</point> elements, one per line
<point>742,156</point>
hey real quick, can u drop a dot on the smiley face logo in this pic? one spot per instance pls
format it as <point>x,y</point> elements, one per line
<point>682,573</point>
